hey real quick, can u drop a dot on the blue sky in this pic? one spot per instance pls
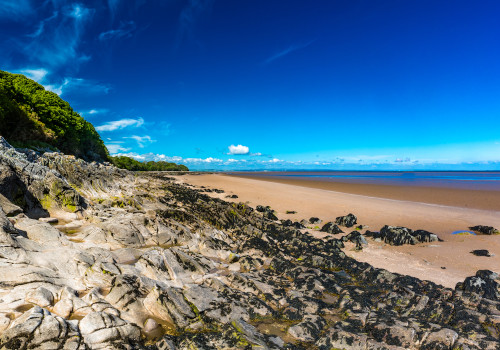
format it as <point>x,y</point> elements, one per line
<point>266,84</point>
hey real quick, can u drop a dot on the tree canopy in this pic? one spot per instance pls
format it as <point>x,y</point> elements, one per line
<point>128,163</point>
<point>33,117</point>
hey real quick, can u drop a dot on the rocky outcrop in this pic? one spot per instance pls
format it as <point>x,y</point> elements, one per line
<point>149,263</point>
<point>397,235</point>
<point>348,220</point>
<point>332,228</point>
<point>484,230</point>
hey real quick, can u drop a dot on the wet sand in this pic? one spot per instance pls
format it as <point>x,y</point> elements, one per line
<point>457,197</point>
<point>425,261</point>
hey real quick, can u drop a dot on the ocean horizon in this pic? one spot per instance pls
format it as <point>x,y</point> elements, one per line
<point>472,180</point>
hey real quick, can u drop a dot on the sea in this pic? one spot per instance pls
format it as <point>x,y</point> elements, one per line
<point>472,180</point>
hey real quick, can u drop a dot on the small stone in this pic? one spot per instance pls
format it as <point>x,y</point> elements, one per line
<point>49,220</point>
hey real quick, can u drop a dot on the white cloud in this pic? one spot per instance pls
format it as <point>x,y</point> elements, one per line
<point>142,141</point>
<point>275,160</point>
<point>238,150</point>
<point>37,75</point>
<point>114,148</point>
<point>92,112</point>
<point>121,124</point>
<point>201,160</point>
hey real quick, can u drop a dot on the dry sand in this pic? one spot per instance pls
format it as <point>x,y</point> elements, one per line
<point>425,261</point>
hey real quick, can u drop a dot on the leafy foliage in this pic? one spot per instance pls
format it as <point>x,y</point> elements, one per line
<point>134,165</point>
<point>32,117</point>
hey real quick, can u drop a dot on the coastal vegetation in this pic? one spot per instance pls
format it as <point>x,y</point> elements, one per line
<point>32,117</point>
<point>129,163</point>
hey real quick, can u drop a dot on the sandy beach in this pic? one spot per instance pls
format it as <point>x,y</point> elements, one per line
<point>445,262</point>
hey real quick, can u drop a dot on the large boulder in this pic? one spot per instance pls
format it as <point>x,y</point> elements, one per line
<point>348,220</point>
<point>332,228</point>
<point>398,235</point>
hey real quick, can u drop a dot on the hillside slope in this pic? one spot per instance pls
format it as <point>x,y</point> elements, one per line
<point>32,117</point>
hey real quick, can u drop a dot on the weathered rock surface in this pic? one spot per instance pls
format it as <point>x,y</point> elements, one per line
<point>332,228</point>
<point>397,235</point>
<point>484,230</point>
<point>348,220</point>
<point>142,262</point>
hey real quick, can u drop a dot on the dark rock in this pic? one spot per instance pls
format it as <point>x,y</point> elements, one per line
<point>348,220</point>
<point>232,196</point>
<point>298,225</point>
<point>425,236</point>
<point>484,230</point>
<point>397,235</point>
<point>270,215</point>
<point>315,221</point>
<point>355,237</point>
<point>481,252</point>
<point>262,209</point>
<point>332,228</point>
<point>484,283</point>
<point>291,212</point>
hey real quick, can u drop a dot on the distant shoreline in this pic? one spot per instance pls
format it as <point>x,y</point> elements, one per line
<point>484,199</point>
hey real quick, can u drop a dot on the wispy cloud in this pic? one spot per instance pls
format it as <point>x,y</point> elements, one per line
<point>114,148</point>
<point>15,10</point>
<point>189,17</point>
<point>36,74</point>
<point>121,124</point>
<point>238,150</point>
<point>41,26</point>
<point>56,39</point>
<point>124,31</point>
<point>287,51</point>
<point>142,141</point>
<point>82,86</point>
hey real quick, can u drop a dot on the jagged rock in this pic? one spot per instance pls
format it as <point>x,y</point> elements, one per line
<point>355,237</point>
<point>8,207</point>
<point>484,230</point>
<point>39,329</point>
<point>348,220</point>
<point>483,283</point>
<point>332,228</point>
<point>397,235</point>
<point>309,329</point>
<point>442,339</point>
<point>145,254</point>
<point>101,330</point>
